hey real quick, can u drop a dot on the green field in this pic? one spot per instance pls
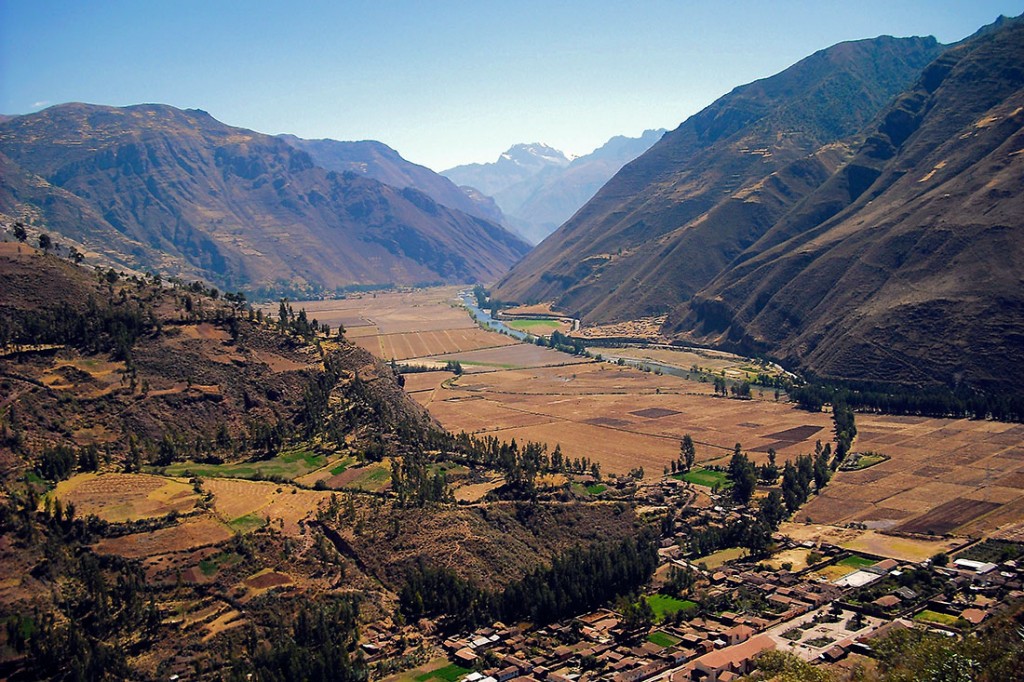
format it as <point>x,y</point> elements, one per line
<point>211,565</point>
<point>371,478</point>
<point>448,673</point>
<point>865,460</point>
<point>287,465</point>
<point>856,562</point>
<point>664,605</point>
<point>662,638</point>
<point>929,616</point>
<point>247,523</point>
<point>527,325</point>
<point>706,477</point>
<point>596,489</point>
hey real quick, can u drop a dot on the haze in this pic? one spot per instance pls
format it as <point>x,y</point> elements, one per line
<point>443,83</point>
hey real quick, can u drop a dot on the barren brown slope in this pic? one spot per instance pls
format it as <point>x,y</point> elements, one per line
<point>643,244</point>
<point>89,361</point>
<point>919,279</point>
<point>244,210</point>
<point>378,161</point>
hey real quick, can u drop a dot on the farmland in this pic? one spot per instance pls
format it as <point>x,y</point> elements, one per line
<point>963,477</point>
<point>942,476</point>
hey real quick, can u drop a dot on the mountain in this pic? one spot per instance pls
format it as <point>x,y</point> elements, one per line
<point>183,194</point>
<point>536,204</point>
<point>905,265</point>
<point>376,160</point>
<point>674,218</point>
<point>520,162</point>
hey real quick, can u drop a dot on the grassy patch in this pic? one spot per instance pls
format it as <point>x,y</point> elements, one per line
<point>247,523</point>
<point>448,673</point>
<point>308,458</point>
<point>527,325</point>
<point>211,565</point>
<point>706,477</point>
<point>856,562</point>
<point>864,460</point>
<point>929,616</point>
<point>287,465</point>
<point>597,488</point>
<point>662,638</point>
<point>664,606</point>
<point>722,557</point>
<point>793,634</point>
<point>338,469</point>
<point>373,477</point>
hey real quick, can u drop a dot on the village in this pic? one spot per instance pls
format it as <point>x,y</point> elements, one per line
<point>713,630</point>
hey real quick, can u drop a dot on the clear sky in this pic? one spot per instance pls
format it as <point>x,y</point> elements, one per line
<point>443,82</point>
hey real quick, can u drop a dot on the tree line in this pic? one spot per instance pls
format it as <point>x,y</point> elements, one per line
<point>925,402</point>
<point>577,581</point>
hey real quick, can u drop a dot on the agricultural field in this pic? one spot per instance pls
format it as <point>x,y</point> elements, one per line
<point>901,548</point>
<point>942,476</point>
<point>618,416</point>
<point>237,506</point>
<point>963,477</point>
<point>126,497</point>
<point>290,465</point>
<point>708,362</point>
<point>539,326</point>
<point>665,606</point>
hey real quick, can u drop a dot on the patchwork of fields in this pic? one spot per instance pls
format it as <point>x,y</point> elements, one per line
<point>942,476</point>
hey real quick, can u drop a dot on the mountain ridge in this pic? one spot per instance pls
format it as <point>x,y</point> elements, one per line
<point>655,210</point>
<point>929,291</point>
<point>243,210</point>
<point>379,161</point>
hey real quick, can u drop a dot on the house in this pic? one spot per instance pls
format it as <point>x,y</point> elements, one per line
<point>978,567</point>
<point>730,662</point>
<point>836,653</point>
<point>738,634</point>
<point>888,601</point>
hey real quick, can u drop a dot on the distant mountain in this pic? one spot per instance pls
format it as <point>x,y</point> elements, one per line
<point>906,264</point>
<point>538,202</point>
<point>378,161</point>
<point>178,192</point>
<point>520,162</point>
<point>673,219</point>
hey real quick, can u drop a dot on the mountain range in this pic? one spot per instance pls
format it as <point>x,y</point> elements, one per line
<point>856,216</point>
<point>378,161</point>
<point>538,188</point>
<point>152,187</point>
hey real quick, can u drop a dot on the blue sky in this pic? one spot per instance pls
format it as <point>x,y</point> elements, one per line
<point>442,82</point>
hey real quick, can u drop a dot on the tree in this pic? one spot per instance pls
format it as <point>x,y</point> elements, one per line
<point>19,231</point>
<point>687,451</point>
<point>743,475</point>
<point>45,243</point>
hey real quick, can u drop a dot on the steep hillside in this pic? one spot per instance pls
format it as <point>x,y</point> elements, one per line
<point>378,161</point>
<point>181,193</point>
<point>905,265</point>
<point>93,359</point>
<point>173,491</point>
<point>674,218</point>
